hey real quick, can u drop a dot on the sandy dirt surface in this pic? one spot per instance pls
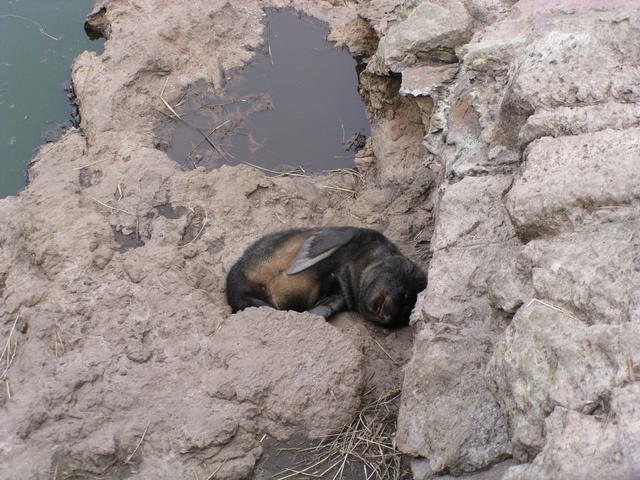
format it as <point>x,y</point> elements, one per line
<point>500,160</point>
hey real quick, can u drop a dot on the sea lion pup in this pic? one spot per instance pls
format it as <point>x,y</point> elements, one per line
<point>325,271</point>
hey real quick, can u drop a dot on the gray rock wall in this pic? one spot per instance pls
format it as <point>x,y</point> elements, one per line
<point>527,332</point>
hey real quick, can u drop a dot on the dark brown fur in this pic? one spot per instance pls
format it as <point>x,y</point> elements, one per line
<point>279,288</point>
<point>327,270</point>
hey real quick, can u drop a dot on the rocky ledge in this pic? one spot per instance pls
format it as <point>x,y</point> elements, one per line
<point>503,158</point>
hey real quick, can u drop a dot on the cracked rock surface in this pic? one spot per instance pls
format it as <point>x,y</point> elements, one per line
<point>529,322</point>
<point>503,158</point>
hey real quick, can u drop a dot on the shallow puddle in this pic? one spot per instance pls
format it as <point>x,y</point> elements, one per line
<point>295,105</point>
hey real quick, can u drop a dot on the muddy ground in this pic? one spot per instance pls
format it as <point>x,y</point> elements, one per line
<point>502,158</point>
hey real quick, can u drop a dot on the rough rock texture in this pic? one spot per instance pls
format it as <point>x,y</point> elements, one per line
<point>457,329</point>
<point>503,157</point>
<point>613,452</point>
<point>537,220</point>
<point>430,33</point>
<point>549,359</point>
<point>595,171</point>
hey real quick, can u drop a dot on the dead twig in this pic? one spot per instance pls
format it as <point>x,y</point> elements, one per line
<point>348,171</point>
<point>552,307</point>
<point>210,477</point>
<point>204,224</point>
<point>208,135</point>
<point>6,345</point>
<point>387,353</point>
<point>215,146</point>
<point>11,355</point>
<point>291,173</point>
<point>205,136</point>
<point>128,459</point>
<point>57,338</point>
<point>269,43</point>
<point>40,27</point>
<point>166,104</point>
<point>182,100</point>
<point>338,189</point>
<point>630,369</point>
<point>110,207</point>
<point>164,86</point>
<point>90,164</point>
<point>82,476</point>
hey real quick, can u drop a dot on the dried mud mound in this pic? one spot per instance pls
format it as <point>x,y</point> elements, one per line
<point>502,158</point>
<point>120,357</point>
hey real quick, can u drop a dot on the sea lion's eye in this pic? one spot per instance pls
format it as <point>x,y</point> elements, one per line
<point>262,288</point>
<point>377,304</point>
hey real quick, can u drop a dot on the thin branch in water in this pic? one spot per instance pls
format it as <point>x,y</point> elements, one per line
<point>269,42</point>
<point>166,104</point>
<point>170,108</point>
<point>182,100</point>
<point>219,150</point>
<point>40,27</point>
<point>206,137</point>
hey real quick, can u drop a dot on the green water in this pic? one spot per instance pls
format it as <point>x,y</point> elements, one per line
<point>38,41</point>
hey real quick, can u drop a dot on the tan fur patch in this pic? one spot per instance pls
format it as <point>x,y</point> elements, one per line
<point>272,273</point>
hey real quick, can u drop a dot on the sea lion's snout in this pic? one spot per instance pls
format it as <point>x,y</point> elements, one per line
<point>380,307</point>
<point>389,291</point>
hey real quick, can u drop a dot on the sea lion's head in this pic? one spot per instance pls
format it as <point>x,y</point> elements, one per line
<point>388,291</point>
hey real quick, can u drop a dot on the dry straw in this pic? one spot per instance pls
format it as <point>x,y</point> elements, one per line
<point>367,444</point>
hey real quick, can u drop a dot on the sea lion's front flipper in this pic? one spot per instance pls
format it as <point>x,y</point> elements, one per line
<point>328,306</point>
<point>320,246</point>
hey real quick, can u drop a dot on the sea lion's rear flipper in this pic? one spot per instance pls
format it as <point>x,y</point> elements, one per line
<point>320,246</point>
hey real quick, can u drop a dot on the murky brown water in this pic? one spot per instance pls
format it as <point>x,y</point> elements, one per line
<point>295,106</point>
